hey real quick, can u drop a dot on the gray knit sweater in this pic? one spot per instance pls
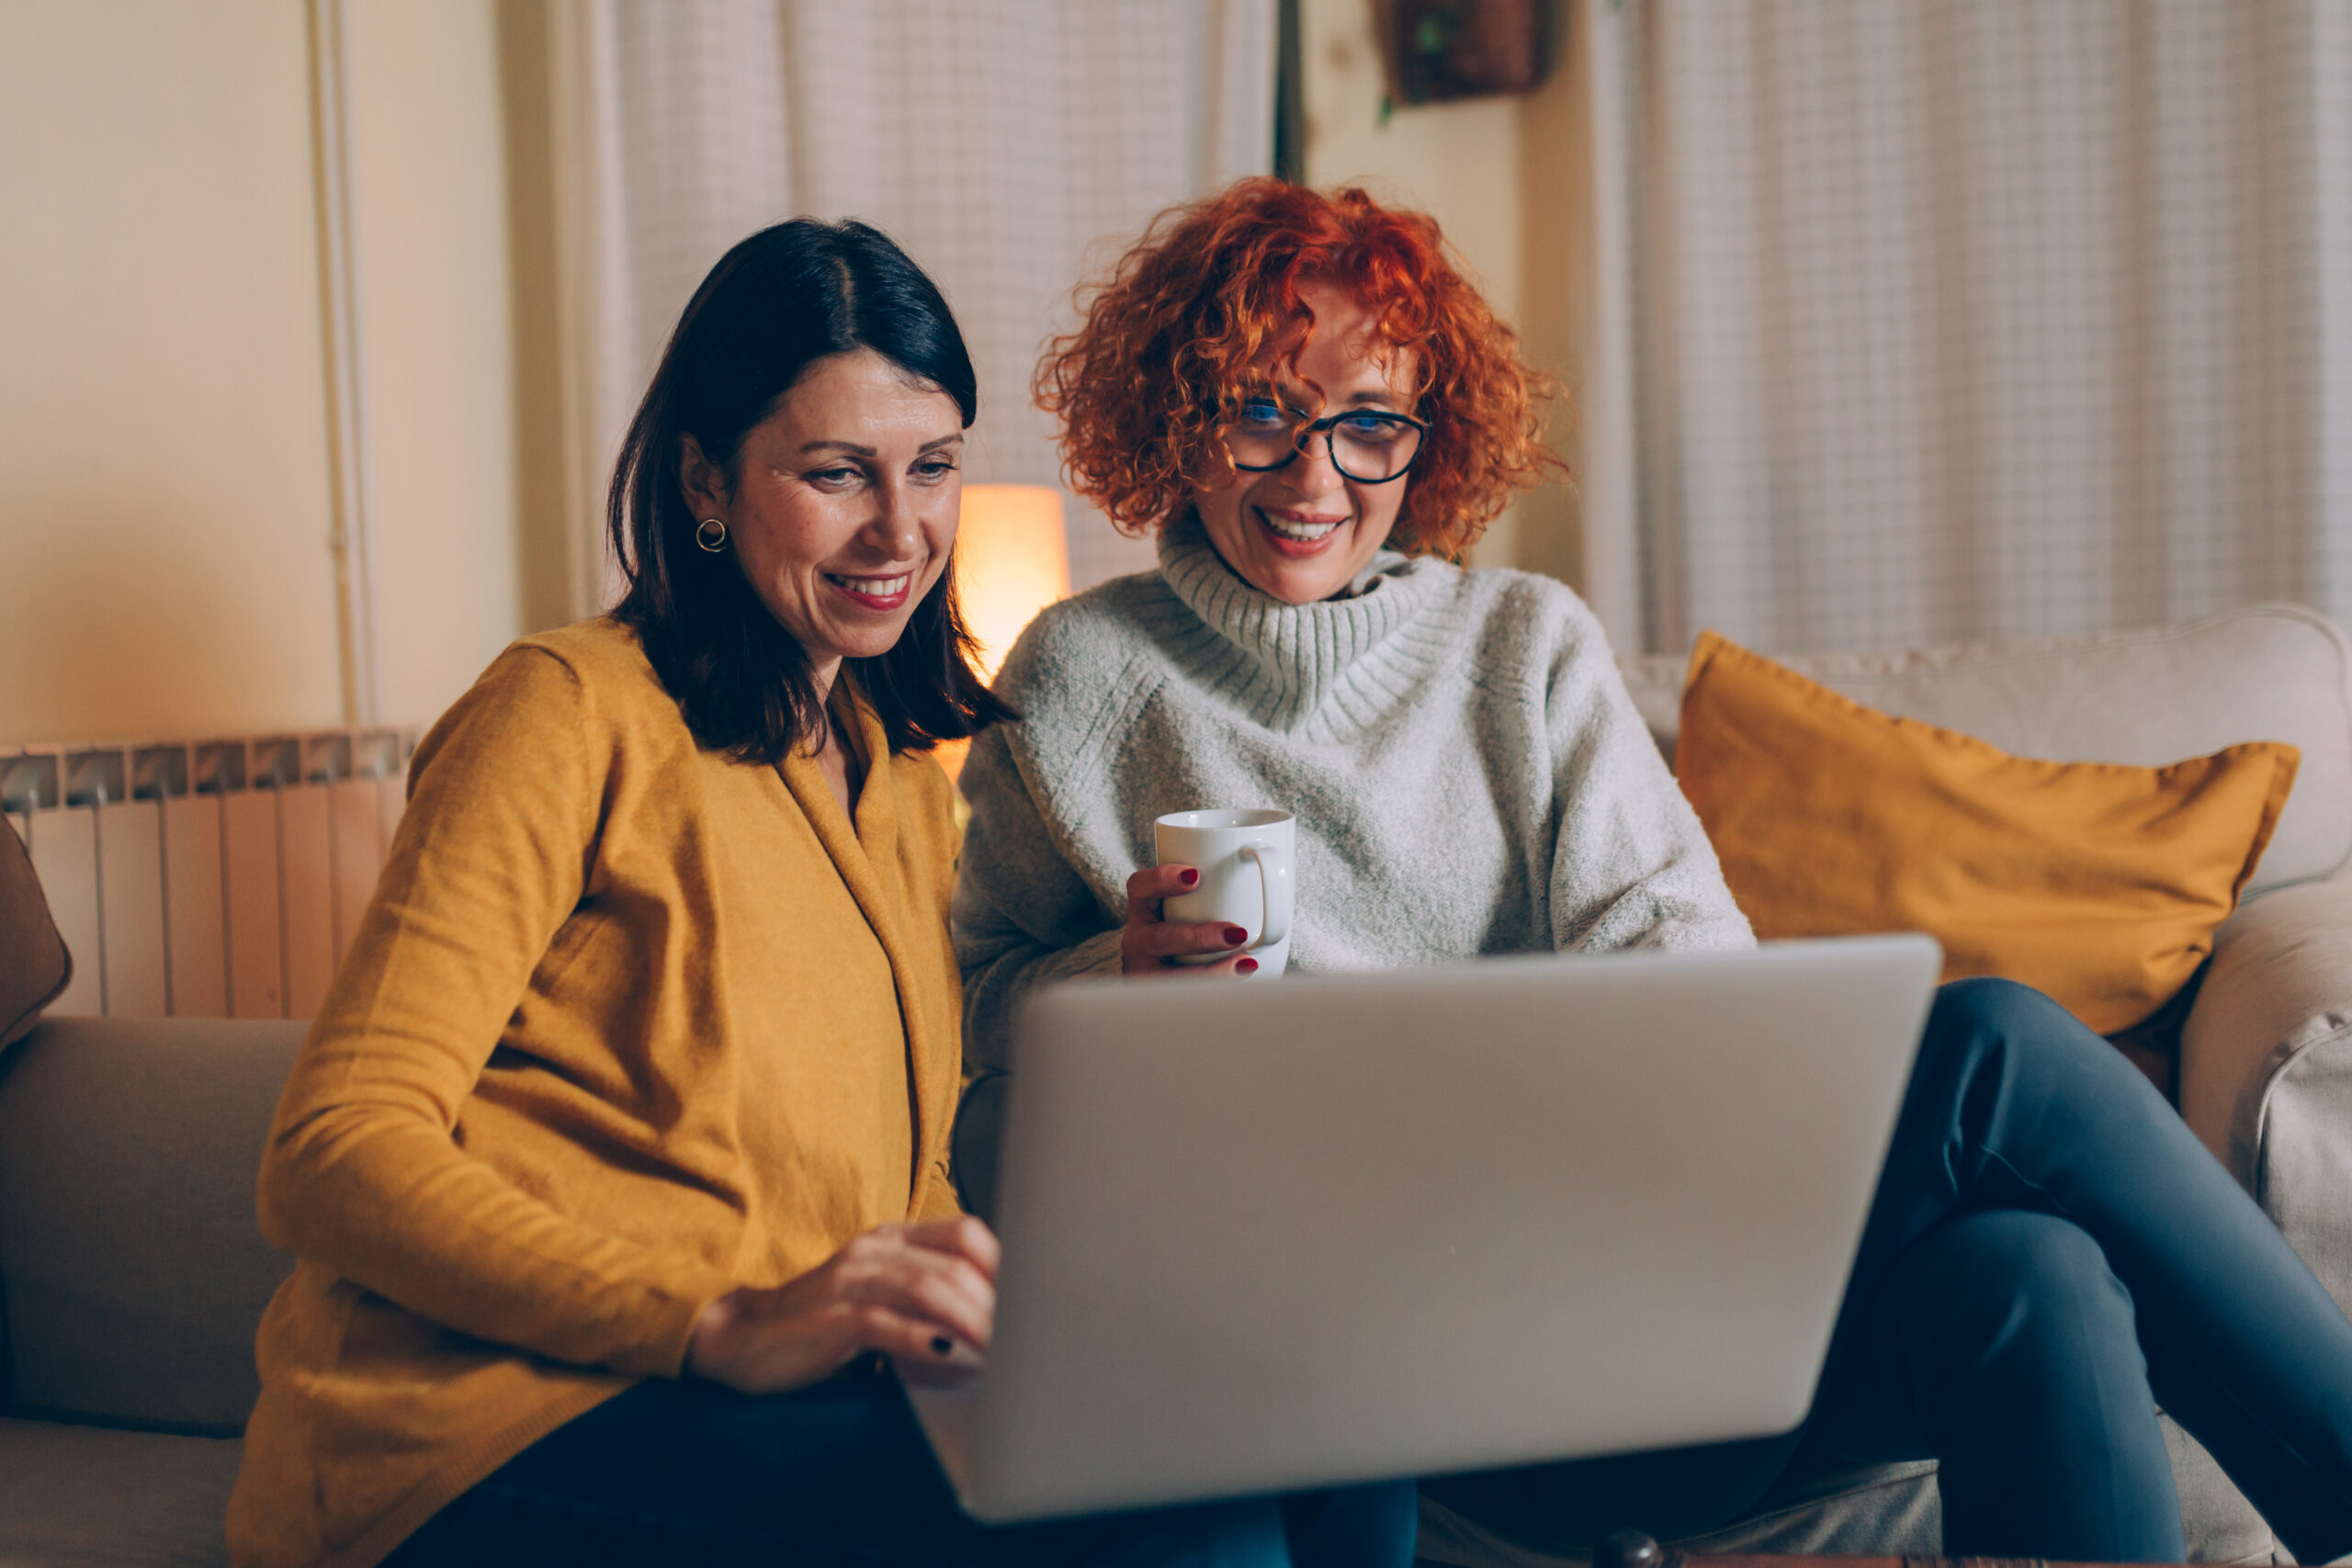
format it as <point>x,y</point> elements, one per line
<point>1467,770</point>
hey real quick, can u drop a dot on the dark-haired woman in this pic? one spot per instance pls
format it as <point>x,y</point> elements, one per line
<point>615,1159</point>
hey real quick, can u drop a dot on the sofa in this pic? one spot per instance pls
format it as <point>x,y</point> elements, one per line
<point>2260,1063</point>
<point>131,1279</point>
<point>132,1274</point>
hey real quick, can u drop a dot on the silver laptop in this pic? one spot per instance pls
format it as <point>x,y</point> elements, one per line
<point>1264,1237</point>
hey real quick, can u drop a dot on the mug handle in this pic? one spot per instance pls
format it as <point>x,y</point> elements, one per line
<point>1273,891</point>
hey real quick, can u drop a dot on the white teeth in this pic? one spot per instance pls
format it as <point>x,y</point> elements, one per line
<point>875,587</point>
<point>1305,532</point>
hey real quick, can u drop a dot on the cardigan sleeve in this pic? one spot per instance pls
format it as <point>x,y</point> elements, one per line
<point>364,1171</point>
<point>1631,866</point>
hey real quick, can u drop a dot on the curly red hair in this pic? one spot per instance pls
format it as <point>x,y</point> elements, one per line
<point>1182,327</point>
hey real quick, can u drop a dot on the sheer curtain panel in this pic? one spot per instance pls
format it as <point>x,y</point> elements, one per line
<point>1982,321</point>
<point>1010,145</point>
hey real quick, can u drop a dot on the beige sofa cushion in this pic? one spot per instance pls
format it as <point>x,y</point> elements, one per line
<point>132,1271</point>
<point>2265,673</point>
<point>1879,1511</point>
<point>88,1497</point>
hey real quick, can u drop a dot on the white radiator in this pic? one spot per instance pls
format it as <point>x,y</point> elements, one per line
<point>207,878</point>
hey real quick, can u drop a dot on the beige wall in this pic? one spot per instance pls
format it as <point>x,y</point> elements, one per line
<point>1495,173</point>
<point>166,480</point>
<point>1457,162</point>
<point>163,487</point>
<point>429,208</point>
<point>166,493</point>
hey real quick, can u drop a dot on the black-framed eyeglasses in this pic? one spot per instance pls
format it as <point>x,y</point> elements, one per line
<point>1369,446</point>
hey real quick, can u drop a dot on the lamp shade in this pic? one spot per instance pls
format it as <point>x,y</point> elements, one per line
<point>1012,560</point>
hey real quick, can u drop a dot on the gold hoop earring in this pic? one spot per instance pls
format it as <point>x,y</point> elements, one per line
<point>712,535</point>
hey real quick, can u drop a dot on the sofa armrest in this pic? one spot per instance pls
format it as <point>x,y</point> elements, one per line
<point>2266,1066</point>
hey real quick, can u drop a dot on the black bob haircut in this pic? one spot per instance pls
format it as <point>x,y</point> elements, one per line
<point>773,306</point>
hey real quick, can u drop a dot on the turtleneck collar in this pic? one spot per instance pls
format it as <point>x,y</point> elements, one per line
<point>1291,657</point>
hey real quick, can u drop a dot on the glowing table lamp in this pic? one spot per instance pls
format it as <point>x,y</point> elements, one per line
<point>1012,560</point>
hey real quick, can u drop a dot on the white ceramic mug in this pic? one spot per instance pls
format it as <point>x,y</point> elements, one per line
<point>1244,859</point>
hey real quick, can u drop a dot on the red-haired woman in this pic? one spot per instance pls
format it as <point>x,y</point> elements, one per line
<point>1315,411</point>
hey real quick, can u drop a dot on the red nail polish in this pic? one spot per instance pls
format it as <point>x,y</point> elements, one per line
<point>1235,936</point>
<point>1188,876</point>
<point>1247,967</point>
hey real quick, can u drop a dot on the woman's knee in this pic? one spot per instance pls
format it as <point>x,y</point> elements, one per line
<point>1986,1024</point>
<point>2021,1361</point>
<point>1985,1009</point>
<point>2031,1291</point>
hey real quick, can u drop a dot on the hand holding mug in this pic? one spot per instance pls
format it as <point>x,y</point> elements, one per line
<point>1219,899</point>
<point>1152,944</point>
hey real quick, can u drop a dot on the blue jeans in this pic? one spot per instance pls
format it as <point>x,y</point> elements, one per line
<point>836,1475</point>
<point>2051,1256</point>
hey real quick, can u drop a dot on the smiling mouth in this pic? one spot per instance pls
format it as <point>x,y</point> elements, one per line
<point>881,592</point>
<point>1296,532</point>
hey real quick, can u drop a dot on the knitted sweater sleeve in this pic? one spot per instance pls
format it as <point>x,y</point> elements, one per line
<point>1023,914</point>
<point>1631,866</point>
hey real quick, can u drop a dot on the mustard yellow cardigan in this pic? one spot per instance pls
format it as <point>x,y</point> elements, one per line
<point>626,1025</point>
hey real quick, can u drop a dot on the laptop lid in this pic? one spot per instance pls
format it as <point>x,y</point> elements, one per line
<point>1265,1237</point>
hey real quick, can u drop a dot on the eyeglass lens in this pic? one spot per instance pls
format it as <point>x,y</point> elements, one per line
<point>1368,446</point>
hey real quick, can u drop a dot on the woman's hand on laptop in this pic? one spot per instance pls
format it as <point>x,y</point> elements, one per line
<point>923,1294</point>
<point>1149,945</point>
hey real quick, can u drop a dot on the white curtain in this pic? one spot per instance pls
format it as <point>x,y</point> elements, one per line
<point>1973,320</point>
<point>1011,146</point>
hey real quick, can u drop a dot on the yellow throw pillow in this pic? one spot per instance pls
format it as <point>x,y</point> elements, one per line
<point>2096,883</point>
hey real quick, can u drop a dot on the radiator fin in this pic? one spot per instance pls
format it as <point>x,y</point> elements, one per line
<point>208,879</point>
<point>196,907</point>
